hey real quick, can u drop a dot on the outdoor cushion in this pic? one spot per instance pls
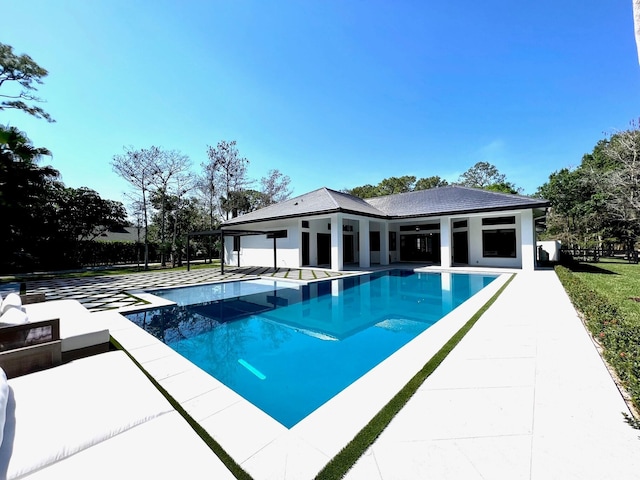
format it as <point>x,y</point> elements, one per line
<point>163,448</point>
<point>88,401</point>
<point>11,301</point>
<point>78,329</point>
<point>4,396</point>
<point>14,316</point>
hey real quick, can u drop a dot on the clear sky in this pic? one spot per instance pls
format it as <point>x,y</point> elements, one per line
<point>332,93</point>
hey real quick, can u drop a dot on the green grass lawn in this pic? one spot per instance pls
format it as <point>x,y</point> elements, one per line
<point>619,282</point>
<point>92,272</point>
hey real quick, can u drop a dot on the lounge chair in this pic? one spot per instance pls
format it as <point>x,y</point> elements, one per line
<point>26,346</point>
<point>42,335</point>
<point>30,347</point>
<point>97,417</point>
<point>80,335</point>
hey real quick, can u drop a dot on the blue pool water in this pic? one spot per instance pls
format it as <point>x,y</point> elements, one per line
<point>289,348</point>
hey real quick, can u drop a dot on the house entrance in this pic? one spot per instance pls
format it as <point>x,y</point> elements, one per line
<point>461,247</point>
<point>348,250</point>
<point>420,248</point>
<point>324,249</point>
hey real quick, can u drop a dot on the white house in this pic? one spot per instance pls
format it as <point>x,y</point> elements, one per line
<point>446,226</point>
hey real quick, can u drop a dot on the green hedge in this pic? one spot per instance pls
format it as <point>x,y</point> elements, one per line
<point>619,338</point>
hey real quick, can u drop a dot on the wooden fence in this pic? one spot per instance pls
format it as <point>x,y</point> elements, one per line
<point>595,254</point>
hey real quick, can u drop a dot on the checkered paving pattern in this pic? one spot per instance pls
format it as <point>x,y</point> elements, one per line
<point>107,292</point>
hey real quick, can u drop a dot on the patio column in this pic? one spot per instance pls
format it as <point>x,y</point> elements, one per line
<point>384,243</point>
<point>528,240</point>
<point>445,242</point>
<point>337,259</point>
<point>447,294</point>
<point>365,246</point>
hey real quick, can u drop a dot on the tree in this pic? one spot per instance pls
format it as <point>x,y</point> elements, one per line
<point>82,215</point>
<point>597,203</point>
<point>430,182</point>
<point>139,168</point>
<point>183,215</point>
<point>45,224</point>
<point>237,203</point>
<point>481,175</point>
<point>171,169</point>
<point>486,176</point>
<point>26,73</point>
<point>503,187</point>
<point>364,191</point>
<point>621,184</point>
<point>392,185</point>
<point>208,189</point>
<point>229,172</point>
<point>568,191</point>
<point>275,187</point>
<point>24,189</point>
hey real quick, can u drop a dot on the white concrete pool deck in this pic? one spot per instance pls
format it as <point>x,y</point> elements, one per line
<point>524,395</point>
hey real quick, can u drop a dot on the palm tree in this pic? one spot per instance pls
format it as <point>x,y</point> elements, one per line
<point>24,188</point>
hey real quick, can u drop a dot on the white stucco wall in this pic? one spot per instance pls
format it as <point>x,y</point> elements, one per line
<point>257,250</point>
<point>476,258</point>
<point>552,247</point>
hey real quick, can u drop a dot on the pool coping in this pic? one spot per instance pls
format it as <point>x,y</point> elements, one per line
<point>259,444</point>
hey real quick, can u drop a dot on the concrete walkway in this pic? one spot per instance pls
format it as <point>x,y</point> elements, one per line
<point>525,395</point>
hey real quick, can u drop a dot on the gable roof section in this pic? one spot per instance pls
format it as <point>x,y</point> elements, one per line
<point>121,234</point>
<point>451,200</point>
<point>321,201</point>
<point>422,203</point>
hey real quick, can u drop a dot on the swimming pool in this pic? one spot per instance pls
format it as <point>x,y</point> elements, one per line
<point>289,348</point>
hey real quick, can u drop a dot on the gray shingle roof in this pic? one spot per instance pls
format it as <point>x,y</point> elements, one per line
<point>451,200</point>
<point>122,234</point>
<point>435,201</point>
<point>323,200</point>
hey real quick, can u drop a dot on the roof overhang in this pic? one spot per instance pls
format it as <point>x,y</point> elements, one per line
<point>228,232</point>
<point>532,206</point>
<point>308,215</point>
<point>448,213</point>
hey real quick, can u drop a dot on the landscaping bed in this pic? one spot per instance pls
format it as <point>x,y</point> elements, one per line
<point>607,296</point>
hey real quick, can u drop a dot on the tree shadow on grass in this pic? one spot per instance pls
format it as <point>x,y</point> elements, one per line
<point>589,268</point>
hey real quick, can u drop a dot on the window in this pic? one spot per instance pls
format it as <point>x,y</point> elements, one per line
<point>499,243</point>
<point>305,223</point>
<point>460,224</point>
<point>499,221</point>
<point>236,244</point>
<point>374,241</point>
<point>417,228</point>
<point>392,241</point>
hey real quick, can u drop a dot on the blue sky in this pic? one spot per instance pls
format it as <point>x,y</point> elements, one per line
<point>331,93</point>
